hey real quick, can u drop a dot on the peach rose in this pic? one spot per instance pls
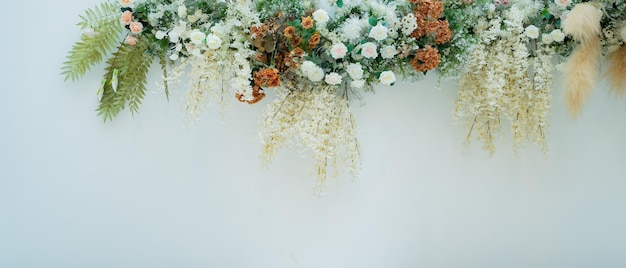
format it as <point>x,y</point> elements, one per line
<point>125,3</point>
<point>127,17</point>
<point>314,40</point>
<point>289,31</point>
<point>136,27</point>
<point>131,40</point>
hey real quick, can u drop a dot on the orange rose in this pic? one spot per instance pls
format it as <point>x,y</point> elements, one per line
<point>314,40</point>
<point>297,52</point>
<point>307,22</point>
<point>289,31</point>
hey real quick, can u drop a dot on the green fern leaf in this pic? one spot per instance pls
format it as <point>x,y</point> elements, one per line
<point>104,19</point>
<point>132,64</point>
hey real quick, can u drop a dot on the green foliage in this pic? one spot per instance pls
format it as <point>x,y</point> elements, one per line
<point>89,51</point>
<point>132,63</point>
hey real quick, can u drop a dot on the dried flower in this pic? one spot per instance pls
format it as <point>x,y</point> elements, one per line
<point>426,59</point>
<point>307,22</point>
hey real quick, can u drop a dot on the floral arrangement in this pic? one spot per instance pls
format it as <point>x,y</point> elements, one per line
<point>320,56</point>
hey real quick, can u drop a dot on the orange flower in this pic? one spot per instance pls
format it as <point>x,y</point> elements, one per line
<point>136,27</point>
<point>257,95</point>
<point>414,1</point>
<point>289,31</point>
<point>307,22</point>
<point>426,59</point>
<point>270,74</point>
<point>430,8</point>
<point>421,26</point>
<point>127,17</point>
<point>432,26</point>
<point>296,41</point>
<point>314,40</point>
<point>297,52</point>
<point>443,34</point>
<point>274,82</point>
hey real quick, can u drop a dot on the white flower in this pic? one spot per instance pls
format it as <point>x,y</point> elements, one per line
<point>307,66</point>
<point>357,83</point>
<point>197,37</point>
<point>338,51</point>
<point>546,39</point>
<point>351,28</point>
<point>213,41</point>
<point>388,52</point>
<point>160,34</point>
<point>174,56</point>
<point>316,74</point>
<point>563,3</point>
<point>355,71</point>
<point>368,50</point>
<point>557,35</point>
<point>173,36</point>
<point>333,79</point>
<point>182,11</point>
<point>532,31</point>
<point>320,16</point>
<point>378,32</point>
<point>387,77</point>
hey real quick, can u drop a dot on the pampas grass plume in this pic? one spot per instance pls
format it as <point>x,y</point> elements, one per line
<point>580,73</point>
<point>616,71</point>
<point>583,22</point>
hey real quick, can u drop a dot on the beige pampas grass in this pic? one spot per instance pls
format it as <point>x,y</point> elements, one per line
<point>616,70</point>
<point>583,22</point>
<point>580,73</point>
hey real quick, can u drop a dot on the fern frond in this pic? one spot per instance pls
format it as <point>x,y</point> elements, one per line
<point>99,15</point>
<point>91,50</point>
<point>132,64</point>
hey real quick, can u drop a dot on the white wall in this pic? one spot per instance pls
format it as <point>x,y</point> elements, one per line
<point>147,192</point>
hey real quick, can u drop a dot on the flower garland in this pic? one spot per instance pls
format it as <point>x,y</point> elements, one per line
<point>319,56</point>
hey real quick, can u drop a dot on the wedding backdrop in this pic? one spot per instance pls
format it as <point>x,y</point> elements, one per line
<point>156,188</point>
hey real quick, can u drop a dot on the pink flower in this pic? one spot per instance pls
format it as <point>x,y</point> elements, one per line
<point>563,3</point>
<point>136,27</point>
<point>127,17</point>
<point>125,3</point>
<point>368,50</point>
<point>501,2</point>
<point>338,51</point>
<point>131,40</point>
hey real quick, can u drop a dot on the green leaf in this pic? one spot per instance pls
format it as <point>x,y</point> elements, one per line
<point>373,21</point>
<point>91,50</point>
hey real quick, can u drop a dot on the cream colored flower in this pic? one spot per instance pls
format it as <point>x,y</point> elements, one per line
<point>136,27</point>
<point>388,52</point>
<point>355,71</point>
<point>546,39</point>
<point>532,32</point>
<point>320,16</point>
<point>557,35</point>
<point>387,78</point>
<point>333,79</point>
<point>378,32</point>
<point>357,83</point>
<point>213,41</point>
<point>368,50</point>
<point>160,35</point>
<point>197,37</point>
<point>563,3</point>
<point>338,51</point>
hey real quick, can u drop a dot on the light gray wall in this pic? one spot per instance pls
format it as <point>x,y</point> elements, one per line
<point>148,192</point>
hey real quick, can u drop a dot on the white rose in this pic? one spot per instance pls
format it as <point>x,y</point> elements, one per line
<point>197,37</point>
<point>532,31</point>
<point>563,3</point>
<point>387,77</point>
<point>307,66</point>
<point>321,16</point>
<point>160,34</point>
<point>378,32</point>
<point>388,52</point>
<point>368,50</point>
<point>316,74</point>
<point>557,35</point>
<point>333,79</point>
<point>174,56</point>
<point>357,83</point>
<point>355,71</point>
<point>547,39</point>
<point>338,51</point>
<point>213,41</point>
